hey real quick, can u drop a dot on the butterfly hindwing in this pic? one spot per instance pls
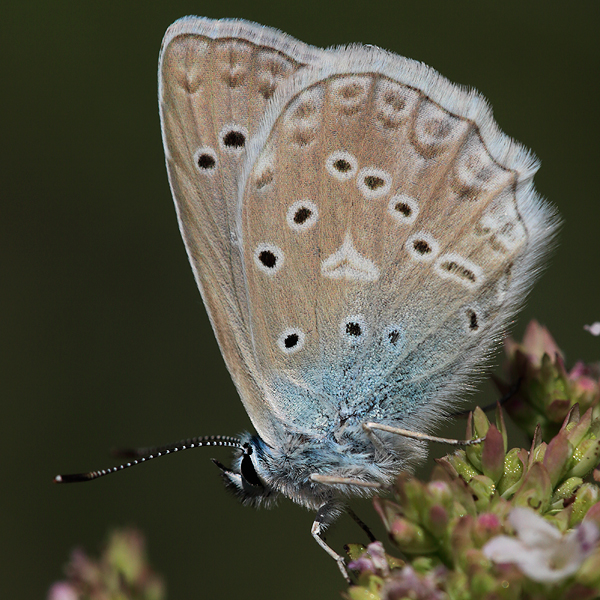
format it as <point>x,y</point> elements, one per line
<point>390,230</point>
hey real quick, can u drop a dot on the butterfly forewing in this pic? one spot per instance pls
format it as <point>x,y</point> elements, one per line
<point>216,79</point>
<point>387,229</point>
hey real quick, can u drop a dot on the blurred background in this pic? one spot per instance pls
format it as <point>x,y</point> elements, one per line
<point>105,342</point>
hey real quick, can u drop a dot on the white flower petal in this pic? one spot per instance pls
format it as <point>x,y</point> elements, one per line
<point>539,569</point>
<point>540,550</point>
<point>594,328</point>
<point>532,529</point>
<point>504,549</point>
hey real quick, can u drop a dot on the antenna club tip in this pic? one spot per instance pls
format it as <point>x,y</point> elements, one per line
<point>58,479</point>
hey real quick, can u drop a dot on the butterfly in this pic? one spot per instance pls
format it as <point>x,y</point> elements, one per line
<point>361,232</point>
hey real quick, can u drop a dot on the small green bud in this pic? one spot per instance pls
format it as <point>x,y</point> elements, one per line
<point>566,489</point>
<point>481,423</point>
<point>577,429</point>
<point>412,538</point>
<point>587,495</point>
<point>462,465</point>
<point>501,426</point>
<point>368,588</point>
<point>483,488</point>
<point>410,494</point>
<point>589,572</point>
<point>436,521</point>
<point>585,458</point>
<point>558,454</point>
<point>536,489</point>
<point>513,473</point>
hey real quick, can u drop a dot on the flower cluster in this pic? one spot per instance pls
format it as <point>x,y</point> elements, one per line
<point>544,391</point>
<point>121,572</point>
<point>457,531</point>
<point>499,523</point>
<point>492,523</point>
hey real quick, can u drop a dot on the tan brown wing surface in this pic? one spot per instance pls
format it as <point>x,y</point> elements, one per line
<point>216,79</point>
<point>399,227</point>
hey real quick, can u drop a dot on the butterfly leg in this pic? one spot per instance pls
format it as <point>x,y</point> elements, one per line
<point>362,525</point>
<point>324,517</point>
<point>416,435</point>
<point>379,446</point>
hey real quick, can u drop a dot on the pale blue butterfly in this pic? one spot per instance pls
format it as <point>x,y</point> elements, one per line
<point>361,232</point>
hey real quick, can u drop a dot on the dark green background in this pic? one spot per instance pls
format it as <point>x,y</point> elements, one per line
<point>104,338</point>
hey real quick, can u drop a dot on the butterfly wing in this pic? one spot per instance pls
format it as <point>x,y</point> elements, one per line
<point>216,79</point>
<point>390,230</point>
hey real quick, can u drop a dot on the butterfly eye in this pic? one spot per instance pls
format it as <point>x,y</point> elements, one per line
<point>302,215</point>
<point>341,165</point>
<point>403,209</point>
<point>353,329</point>
<point>373,183</point>
<point>422,246</point>
<point>248,471</point>
<point>291,341</point>
<point>233,138</point>
<point>206,160</point>
<point>268,258</point>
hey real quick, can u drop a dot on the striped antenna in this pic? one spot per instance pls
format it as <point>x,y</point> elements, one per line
<point>141,455</point>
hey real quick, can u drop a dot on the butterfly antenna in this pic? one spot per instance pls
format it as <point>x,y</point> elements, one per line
<point>141,455</point>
